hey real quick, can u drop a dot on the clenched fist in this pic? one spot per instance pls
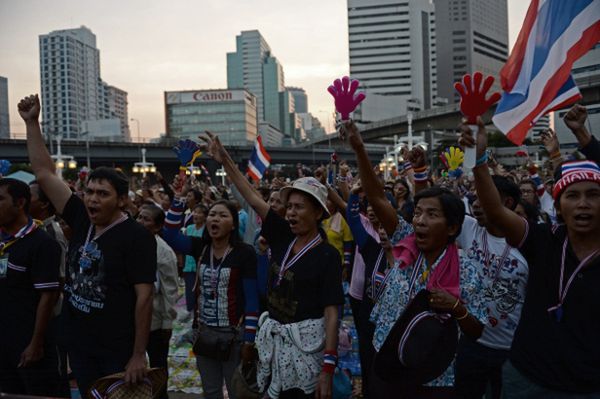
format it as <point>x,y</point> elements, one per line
<point>29,108</point>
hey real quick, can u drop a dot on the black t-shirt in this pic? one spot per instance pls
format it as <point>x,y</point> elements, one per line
<point>228,307</point>
<point>311,284</point>
<point>33,266</point>
<point>561,355</point>
<point>99,305</point>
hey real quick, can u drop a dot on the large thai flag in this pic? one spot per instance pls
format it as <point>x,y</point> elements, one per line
<point>259,161</point>
<point>536,79</point>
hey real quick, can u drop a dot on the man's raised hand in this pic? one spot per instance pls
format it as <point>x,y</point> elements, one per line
<point>576,117</point>
<point>29,108</point>
<point>213,146</point>
<point>550,141</point>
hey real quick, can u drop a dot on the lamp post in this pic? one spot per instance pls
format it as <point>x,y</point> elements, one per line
<point>221,173</point>
<point>137,123</point>
<point>144,167</point>
<point>409,118</point>
<point>60,158</point>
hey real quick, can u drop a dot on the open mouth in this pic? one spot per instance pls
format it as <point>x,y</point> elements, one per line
<point>420,236</point>
<point>93,211</point>
<point>292,222</point>
<point>213,228</point>
<point>583,218</point>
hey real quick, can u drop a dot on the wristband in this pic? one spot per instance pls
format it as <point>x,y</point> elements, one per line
<point>421,174</point>
<point>555,155</point>
<point>329,361</point>
<point>407,165</point>
<point>482,160</point>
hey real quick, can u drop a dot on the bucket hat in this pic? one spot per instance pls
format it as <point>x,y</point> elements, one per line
<point>310,186</point>
<point>114,386</point>
<point>420,346</point>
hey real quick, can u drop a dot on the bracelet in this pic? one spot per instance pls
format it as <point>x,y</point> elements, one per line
<point>341,178</point>
<point>456,304</point>
<point>330,359</point>
<point>420,174</point>
<point>555,155</point>
<point>464,316</point>
<point>407,165</point>
<point>482,160</point>
<point>183,168</point>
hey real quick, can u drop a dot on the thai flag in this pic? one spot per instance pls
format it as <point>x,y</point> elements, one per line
<point>536,79</point>
<point>259,161</point>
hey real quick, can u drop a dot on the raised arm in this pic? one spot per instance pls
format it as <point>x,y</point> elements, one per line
<point>217,151</point>
<point>381,206</point>
<point>575,121</point>
<point>43,167</point>
<point>510,224</point>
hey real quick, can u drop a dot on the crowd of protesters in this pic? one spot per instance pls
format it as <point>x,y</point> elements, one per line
<point>482,280</point>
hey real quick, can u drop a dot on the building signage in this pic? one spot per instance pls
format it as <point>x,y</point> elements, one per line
<point>204,96</point>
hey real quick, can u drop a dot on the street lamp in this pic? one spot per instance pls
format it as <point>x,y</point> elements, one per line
<point>143,167</point>
<point>60,158</point>
<point>221,173</point>
<point>137,122</point>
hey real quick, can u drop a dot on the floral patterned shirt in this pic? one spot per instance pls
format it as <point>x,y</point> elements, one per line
<point>395,298</point>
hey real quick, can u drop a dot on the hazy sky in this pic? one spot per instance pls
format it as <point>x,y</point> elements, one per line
<point>149,46</point>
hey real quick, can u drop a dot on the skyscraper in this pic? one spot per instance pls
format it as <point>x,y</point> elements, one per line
<point>254,68</point>
<point>471,35</point>
<point>392,53</point>
<point>4,119</point>
<point>116,107</point>
<point>245,66</point>
<point>72,89</point>
<point>300,99</point>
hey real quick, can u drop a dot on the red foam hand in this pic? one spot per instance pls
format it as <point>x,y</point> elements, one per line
<point>345,96</point>
<point>473,102</point>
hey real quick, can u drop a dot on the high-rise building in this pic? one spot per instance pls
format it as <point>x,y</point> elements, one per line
<point>245,66</point>
<point>586,71</point>
<point>392,53</point>
<point>272,87</point>
<point>116,104</point>
<point>230,114</point>
<point>4,119</point>
<point>72,88</point>
<point>471,35</point>
<point>300,99</point>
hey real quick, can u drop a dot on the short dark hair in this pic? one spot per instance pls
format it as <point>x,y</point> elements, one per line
<point>452,206</point>
<point>158,215</point>
<point>115,177</point>
<point>42,197</point>
<point>197,194</point>
<point>202,207</point>
<point>17,190</point>
<point>507,188</point>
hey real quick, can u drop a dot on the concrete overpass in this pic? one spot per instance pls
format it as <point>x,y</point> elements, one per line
<point>126,154</point>
<point>444,118</point>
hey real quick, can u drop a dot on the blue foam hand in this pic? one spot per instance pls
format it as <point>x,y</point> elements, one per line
<point>185,151</point>
<point>4,167</point>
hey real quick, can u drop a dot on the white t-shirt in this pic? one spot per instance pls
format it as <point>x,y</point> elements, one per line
<point>504,291</point>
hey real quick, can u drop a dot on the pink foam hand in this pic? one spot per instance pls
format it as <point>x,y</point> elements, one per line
<point>473,101</point>
<point>345,97</point>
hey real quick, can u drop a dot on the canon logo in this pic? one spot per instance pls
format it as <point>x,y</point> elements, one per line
<point>213,96</point>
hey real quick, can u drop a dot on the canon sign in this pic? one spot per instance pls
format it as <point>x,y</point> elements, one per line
<point>180,97</point>
<point>212,96</point>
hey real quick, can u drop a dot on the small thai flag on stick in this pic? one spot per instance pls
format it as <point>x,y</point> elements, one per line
<point>259,161</point>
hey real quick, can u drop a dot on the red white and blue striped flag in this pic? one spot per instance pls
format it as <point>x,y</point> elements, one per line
<point>259,161</point>
<point>536,79</point>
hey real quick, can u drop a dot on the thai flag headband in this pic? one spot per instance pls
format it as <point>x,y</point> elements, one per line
<point>575,172</point>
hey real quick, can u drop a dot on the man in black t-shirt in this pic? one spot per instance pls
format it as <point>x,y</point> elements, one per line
<point>110,268</point>
<point>29,285</point>
<point>555,350</point>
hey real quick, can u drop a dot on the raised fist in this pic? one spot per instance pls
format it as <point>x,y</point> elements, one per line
<point>576,117</point>
<point>29,108</point>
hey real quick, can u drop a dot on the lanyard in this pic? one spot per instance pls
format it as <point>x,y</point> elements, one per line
<point>285,265</point>
<point>85,248</point>
<point>214,271</point>
<point>377,276</point>
<point>487,256</point>
<point>562,292</point>
<point>425,275</point>
<point>28,228</point>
